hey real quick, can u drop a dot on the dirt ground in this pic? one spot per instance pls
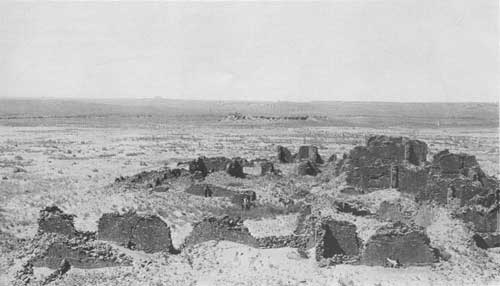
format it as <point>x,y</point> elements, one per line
<point>74,167</point>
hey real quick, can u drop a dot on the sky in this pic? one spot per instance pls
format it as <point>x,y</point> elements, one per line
<point>373,50</point>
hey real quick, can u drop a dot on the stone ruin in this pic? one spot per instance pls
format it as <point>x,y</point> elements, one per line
<point>57,240</point>
<point>407,244</point>
<point>223,228</point>
<point>375,165</point>
<point>307,168</point>
<point>53,220</point>
<point>454,180</point>
<point>207,165</point>
<point>284,155</point>
<point>309,153</point>
<point>235,169</point>
<point>338,239</point>
<point>239,197</point>
<point>267,168</point>
<point>140,232</point>
<point>154,178</point>
<point>394,211</point>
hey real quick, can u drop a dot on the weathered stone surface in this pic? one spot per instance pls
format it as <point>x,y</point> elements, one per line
<point>284,155</point>
<point>393,211</point>
<point>147,233</point>
<point>339,238</point>
<point>239,198</point>
<point>308,168</point>
<point>54,220</point>
<point>483,220</point>
<point>151,234</point>
<point>217,164</point>
<point>487,240</point>
<point>309,153</point>
<point>225,228</point>
<point>235,169</point>
<point>209,190</point>
<point>407,244</point>
<point>380,163</point>
<point>81,251</point>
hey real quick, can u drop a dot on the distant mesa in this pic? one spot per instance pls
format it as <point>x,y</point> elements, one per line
<point>236,116</point>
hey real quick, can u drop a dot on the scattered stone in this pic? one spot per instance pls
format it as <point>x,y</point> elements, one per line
<point>308,168</point>
<point>63,268</point>
<point>209,190</point>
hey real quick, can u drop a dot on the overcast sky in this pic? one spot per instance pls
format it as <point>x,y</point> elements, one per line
<point>340,50</point>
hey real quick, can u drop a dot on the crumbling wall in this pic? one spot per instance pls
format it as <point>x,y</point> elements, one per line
<point>411,179</point>
<point>284,155</point>
<point>53,220</point>
<point>339,238</point>
<point>483,220</point>
<point>308,168</point>
<point>395,211</point>
<point>217,164</point>
<point>225,228</point>
<point>268,168</point>
<point>309,153</point>
<point>147,233</point>
<point>382,163</point>
<point>407,244</point>
<point>235,169</point>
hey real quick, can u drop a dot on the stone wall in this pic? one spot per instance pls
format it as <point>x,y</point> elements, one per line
<point>407,244</point>
<point>224,228</point>
<point>54,220</point>
<point>141,232</point>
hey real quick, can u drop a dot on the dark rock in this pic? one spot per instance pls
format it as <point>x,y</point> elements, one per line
<point>309,153</point>
<point>284,155</point>
<point>54,220</point>
<point>407,244</point>
<point>235,169</point>
<point>308,168</point>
